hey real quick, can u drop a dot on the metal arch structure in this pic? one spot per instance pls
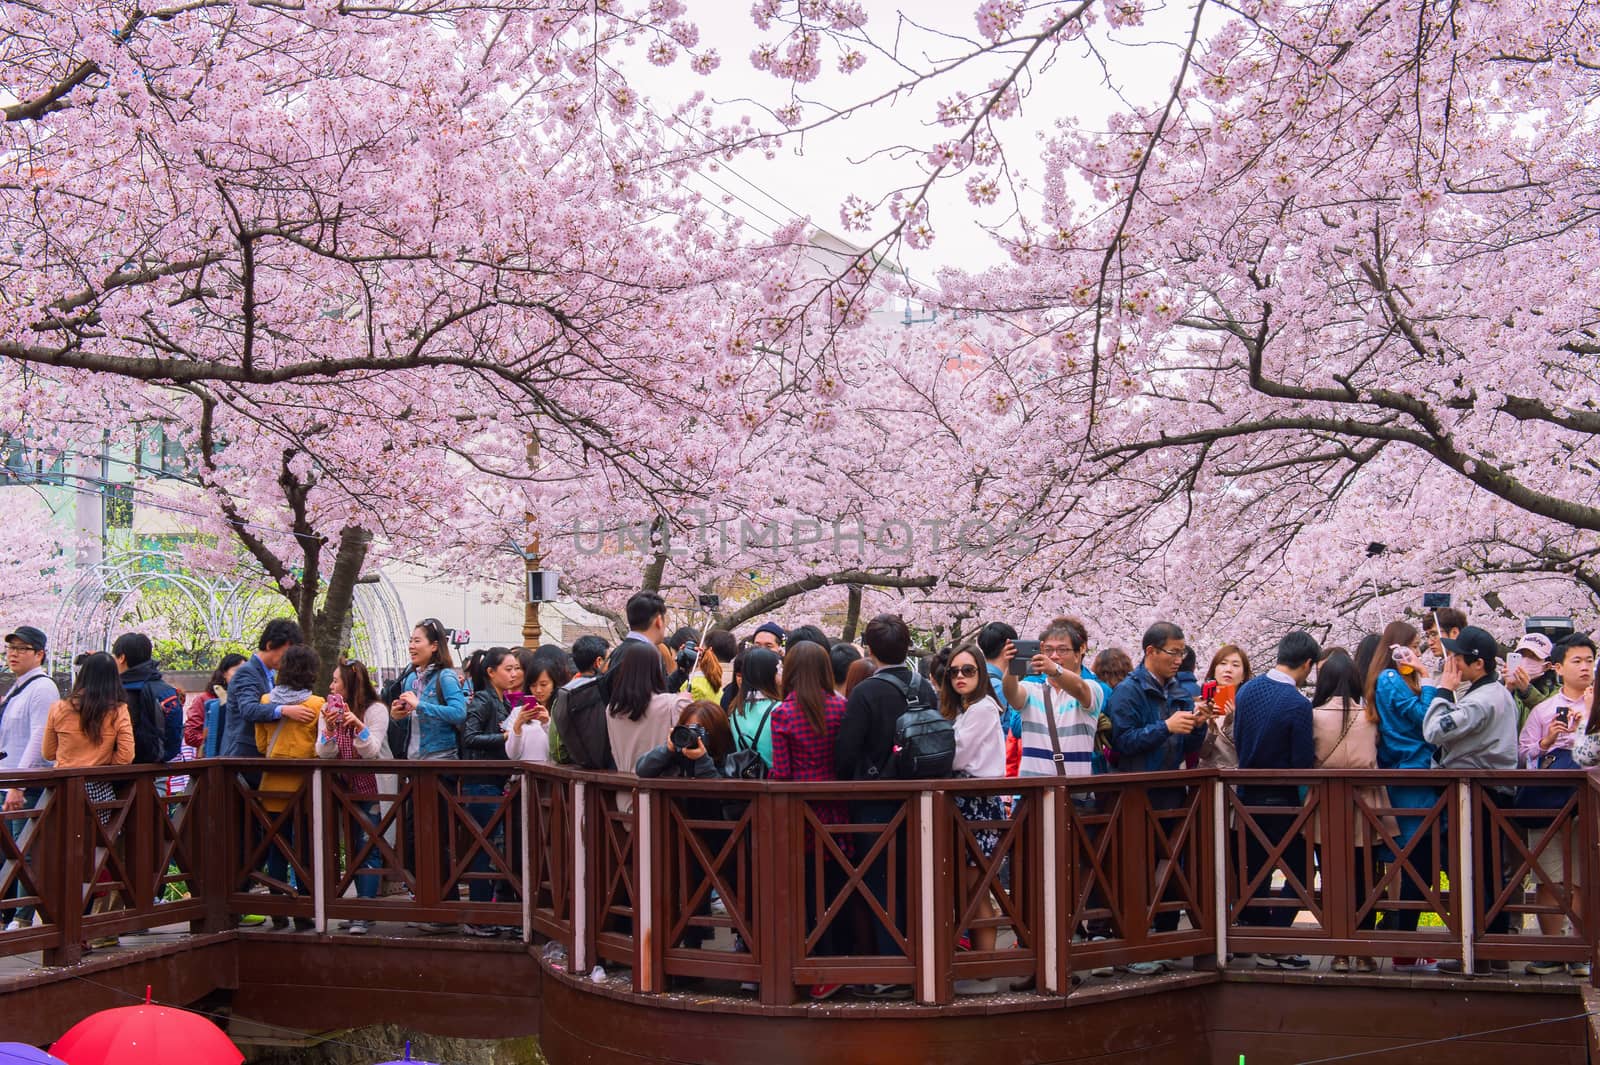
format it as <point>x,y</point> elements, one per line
<point>380,640</point>
<point>104,593</point>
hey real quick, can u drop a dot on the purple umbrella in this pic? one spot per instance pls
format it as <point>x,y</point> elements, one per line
<point>23,1054</point>
<point>407,1060</point>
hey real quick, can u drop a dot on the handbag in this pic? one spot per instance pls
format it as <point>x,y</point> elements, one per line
<point>1547,796</point>
<point>747,763</point>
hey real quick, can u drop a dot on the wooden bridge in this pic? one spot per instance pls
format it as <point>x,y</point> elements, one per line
<point>710,907</point>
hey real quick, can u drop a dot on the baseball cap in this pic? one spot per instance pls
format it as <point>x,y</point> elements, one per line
<point>1536,643</point>
<point>29,635</point>
<point>1473,644</point>
<point>772,627</point>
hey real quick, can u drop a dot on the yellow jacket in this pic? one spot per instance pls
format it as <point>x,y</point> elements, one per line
<point>295,739</point>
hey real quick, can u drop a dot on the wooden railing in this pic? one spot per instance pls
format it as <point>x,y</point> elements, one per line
<point>784,885</point>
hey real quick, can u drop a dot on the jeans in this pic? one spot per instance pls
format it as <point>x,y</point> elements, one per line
<point>17,827</point>
<point>483,889</point>
<point>366,883</point>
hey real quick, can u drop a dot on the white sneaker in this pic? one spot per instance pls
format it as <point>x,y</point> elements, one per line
<point>978,987</point>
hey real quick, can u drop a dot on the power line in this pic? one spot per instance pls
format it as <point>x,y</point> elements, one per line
<point>1449,1039</point>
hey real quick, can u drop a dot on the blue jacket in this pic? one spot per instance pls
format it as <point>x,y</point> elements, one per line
<point>1139,709</point>
<point>1400,712</point>
<point>146,675</point>
<point>244,709</point>
<point>442,710</point>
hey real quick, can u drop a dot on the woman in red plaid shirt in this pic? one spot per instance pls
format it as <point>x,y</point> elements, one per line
<point>803,728</point>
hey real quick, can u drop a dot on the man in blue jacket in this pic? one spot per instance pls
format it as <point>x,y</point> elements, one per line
<point>1153,723</point>
<point>1272,730</point>
<point>1153,726</point>
<point>250,682</point>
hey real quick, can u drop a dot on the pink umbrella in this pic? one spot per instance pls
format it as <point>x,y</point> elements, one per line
<point>146,1035</point>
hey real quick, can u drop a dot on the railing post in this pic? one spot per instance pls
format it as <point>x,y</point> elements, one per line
<point>320,844</point>
<point>528,886</point>
<point>1054,965</point>
<point>428,836</point>
<point>1466,903</point>
<point>648,952</point>
<point>139,836</point>
<point>68,881</point>
<point>1219,865</point>
<point>583,947</point>
<point>933,938</point>
<point>214,845</point>
<point>780,914</point>
<point>1589,868</point>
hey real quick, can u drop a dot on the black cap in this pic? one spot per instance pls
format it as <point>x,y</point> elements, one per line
<point>1474,645</point>
<point>29,635</point>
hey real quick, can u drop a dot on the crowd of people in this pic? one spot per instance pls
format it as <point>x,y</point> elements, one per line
<point>797,705</point>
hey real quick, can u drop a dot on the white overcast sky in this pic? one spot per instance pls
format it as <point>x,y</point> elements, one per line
<point>812,177</point>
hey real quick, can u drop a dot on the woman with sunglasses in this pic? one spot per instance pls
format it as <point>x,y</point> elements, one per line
<point>966,698</point>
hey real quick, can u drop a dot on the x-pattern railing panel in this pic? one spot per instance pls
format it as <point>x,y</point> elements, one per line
<point>1248,888</point>
<point>868,843</point>
<point>706,855</point>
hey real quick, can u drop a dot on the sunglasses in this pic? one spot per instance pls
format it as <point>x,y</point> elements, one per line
<point>433,625</point>
<point>963,671</point>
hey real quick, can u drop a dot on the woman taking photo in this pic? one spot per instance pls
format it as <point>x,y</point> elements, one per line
<point>966,698</point>
<point>1229,669</point>
<point>1396,691</point>
<point>354,725</point>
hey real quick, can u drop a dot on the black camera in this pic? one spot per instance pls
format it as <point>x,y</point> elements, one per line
<point>710,601</point>
<point>686,737</point>
<point>688,655</point>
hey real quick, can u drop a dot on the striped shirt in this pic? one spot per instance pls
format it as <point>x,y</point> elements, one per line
<point>1075,725</point>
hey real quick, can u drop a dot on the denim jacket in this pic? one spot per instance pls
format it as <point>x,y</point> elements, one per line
<point>441,709</point>
<point>1139,709</point>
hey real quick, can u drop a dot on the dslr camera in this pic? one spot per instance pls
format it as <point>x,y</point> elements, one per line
<point>685,737</point>
<point>688,655</point>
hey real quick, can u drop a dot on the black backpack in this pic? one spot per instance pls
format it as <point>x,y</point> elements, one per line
<point>746,763</point>
<point>579,716</point>
<point>149,726</point>
<point>924,742</point>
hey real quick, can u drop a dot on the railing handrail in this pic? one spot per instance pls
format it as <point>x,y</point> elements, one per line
<point>615,778</point>
<point>617,868</point>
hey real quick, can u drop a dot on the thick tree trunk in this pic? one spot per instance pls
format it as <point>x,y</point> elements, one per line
<point>852,614</point>
<point>329,631</point>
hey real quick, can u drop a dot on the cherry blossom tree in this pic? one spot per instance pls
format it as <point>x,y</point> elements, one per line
<point>351,256</point>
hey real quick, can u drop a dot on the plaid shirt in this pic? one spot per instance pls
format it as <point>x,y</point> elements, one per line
<point>798,753</point>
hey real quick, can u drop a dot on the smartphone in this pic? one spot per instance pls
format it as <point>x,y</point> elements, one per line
<point>1564,715</point>
<point>1435,600</point>
<point>1026,649</point>
<point>1208,691</point>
